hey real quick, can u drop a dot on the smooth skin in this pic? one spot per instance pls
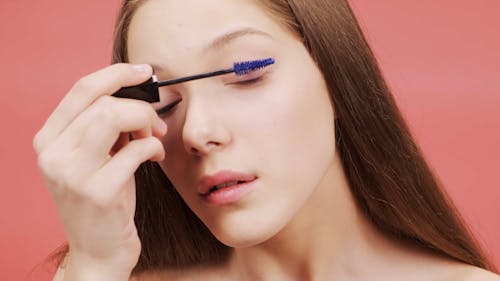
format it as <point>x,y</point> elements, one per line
<point>300,224</point>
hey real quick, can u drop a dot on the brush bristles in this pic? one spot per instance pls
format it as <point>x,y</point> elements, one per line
<point>242,68</point>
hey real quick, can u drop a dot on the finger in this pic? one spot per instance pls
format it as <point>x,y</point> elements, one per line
<point>123,140</point>
<point>102,125</point>
<point>103,82</point>
<point>118,170</point>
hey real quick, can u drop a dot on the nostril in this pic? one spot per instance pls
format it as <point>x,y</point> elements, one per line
<point>200,149</point>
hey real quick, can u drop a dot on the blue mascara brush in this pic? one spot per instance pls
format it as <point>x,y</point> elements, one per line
<point>148,91</point>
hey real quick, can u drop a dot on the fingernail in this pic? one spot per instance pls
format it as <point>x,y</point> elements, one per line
<point>142,68</point>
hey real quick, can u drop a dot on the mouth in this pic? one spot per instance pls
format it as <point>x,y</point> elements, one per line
<point>225,187</point>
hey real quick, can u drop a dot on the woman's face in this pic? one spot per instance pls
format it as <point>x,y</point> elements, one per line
<point>274,125</point>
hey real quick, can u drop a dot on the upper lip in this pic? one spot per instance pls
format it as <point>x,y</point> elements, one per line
<point>207,182</point>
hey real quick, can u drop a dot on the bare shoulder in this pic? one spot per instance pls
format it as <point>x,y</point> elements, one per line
<point>480,274</point>
<point>472,273</point>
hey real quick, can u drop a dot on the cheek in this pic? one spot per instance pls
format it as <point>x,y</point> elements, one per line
<point>300,126</point>
<point>299,118</point>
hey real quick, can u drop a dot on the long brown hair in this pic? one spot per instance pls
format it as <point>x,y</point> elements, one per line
<point>388,176</point>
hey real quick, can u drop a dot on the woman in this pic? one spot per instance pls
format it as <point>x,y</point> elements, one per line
<point>321,179</point>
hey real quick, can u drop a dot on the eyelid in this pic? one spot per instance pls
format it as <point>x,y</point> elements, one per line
<point>249,79</point>
<point>168,107</point>
<point>249,76</point>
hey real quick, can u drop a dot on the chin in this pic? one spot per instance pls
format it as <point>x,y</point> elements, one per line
<point>241,232</point>
<point>241,240</point>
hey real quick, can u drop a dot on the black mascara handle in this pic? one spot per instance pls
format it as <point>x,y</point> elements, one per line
<point>147,91</point>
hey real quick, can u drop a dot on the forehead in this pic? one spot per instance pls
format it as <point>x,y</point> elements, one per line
<point>170,28</point>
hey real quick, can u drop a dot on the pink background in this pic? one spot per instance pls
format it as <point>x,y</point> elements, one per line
<point>441,58</point>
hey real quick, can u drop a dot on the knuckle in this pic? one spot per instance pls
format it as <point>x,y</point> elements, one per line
<point>84,85</point>
<point>118,71</point>
<point>105,113</point>
<point>46,162</point>
<point>150,111</point>
<point>61,176</point>
<point>152,143</point>
<point>50,164</point>
<point>141,148</point>
<point>37,142</point>
<point>153,146</point>
<point>141,111</point>
<point>136,148</point>
<point>145,107</point>
<point>144,117</point>
<point>104,101</point>
<point>119,67</point>
<point>156,143</point>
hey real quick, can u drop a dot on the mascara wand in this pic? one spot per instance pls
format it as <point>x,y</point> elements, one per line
<point>148,91</point>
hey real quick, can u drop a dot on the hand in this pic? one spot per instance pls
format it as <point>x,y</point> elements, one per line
<point>88,163</point>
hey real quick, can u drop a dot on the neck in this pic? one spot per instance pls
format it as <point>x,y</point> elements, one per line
<point>328,239</point>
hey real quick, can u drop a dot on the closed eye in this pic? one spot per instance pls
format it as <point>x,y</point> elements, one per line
<point>249,82</point>
<point>166,109</point>
<point>244,83</point>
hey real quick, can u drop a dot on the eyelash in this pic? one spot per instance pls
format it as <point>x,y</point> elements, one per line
<point>245,83</point>
<point>166,109</point>
<point>248,82</point>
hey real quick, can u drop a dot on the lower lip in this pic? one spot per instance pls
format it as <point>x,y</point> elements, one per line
<point>230,194</point>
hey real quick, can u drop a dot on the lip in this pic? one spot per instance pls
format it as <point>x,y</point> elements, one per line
<point>207,182</point>
<point>229,195</point>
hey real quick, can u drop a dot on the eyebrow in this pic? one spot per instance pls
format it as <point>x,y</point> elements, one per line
<point>226,38</point>
<point>220,42</point>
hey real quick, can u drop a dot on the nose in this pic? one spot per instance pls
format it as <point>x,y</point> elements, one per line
<point>204,130</point>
